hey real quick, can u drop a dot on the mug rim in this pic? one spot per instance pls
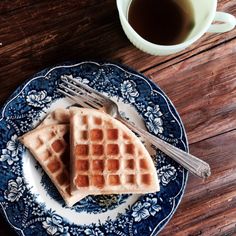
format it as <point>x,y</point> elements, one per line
<point>169,47</point>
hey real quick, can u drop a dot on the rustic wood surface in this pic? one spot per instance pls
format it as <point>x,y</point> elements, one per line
<point>201,82</point>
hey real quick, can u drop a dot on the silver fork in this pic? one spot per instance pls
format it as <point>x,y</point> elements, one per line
<point>90,98</point>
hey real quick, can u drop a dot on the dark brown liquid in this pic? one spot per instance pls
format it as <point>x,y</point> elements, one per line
<point>164,22</point>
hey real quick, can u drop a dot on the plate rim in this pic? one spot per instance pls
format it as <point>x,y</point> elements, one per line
<point>69,64</point>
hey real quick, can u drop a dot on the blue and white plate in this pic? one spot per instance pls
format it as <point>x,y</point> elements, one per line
<point>28,199</point>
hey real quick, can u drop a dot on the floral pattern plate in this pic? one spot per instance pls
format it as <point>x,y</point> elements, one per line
<point>28,199</point>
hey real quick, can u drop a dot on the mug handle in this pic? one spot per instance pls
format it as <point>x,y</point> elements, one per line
<point>228,23</point>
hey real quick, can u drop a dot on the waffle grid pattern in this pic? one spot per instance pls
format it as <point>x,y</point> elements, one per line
<point>52,152</point>
<point>105,157</point>
<point>58,116</point>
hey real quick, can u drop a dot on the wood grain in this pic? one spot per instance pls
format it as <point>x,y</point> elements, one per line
<point>39,35</point>
<point>5,229</point>
<point>209,208</point>
<point>203,89</point>
<point>6,6</point>
<point>201,82</point>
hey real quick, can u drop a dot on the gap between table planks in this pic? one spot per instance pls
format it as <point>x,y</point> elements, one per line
<point>37,34</point>
<point>203,88</point>
<point>210,204</point>
<point>209,107</point>
<point>33,39</point>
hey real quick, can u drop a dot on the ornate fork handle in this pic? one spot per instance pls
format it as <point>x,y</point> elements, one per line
<point>92,98</point>
<point>195,165</point>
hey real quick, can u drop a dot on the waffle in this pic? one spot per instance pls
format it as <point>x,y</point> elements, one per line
<point>49,144</point>
<point>58,116</point>
<point>107,157</point>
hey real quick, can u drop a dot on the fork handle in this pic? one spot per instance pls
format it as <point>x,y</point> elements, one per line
<point>193,164</point>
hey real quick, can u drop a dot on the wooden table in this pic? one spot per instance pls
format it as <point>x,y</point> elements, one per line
<point>201,82</point>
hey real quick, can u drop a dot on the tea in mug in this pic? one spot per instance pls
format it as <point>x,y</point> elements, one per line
<point>163,22</point>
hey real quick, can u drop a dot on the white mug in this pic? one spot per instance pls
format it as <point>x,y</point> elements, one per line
<point>204,13</point>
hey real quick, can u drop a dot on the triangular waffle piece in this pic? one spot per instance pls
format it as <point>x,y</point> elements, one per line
<point>107,157</point>
<point>50,147</point>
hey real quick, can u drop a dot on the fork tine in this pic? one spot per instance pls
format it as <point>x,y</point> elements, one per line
<point>89,97</point>
<point>85,99</point>
<point>77,97</point>
<point>96,94</point>
<point>80,102</point>
<point>73,98</point>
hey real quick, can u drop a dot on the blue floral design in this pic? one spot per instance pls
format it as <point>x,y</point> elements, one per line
<point>154,207</point>
<point>16,168</point>
<point>25,108</point>
<point>8,156</point>
<point>74,230</point>
<point>94,232</point>
<point>129,91</point>
<point>141,107</point>
<point>140,211</point>
<point>154,125</point>
<point>82,80</point>
<point>15,189</point>
<point>123,220</point>
<point>29,200</point>
<point>37,210</point>
<point>109,226</point>
<point>53,226</point>
<point>14,145</point>
<point>153,111</point>
<point>166,174</point>
<point>38,98</point>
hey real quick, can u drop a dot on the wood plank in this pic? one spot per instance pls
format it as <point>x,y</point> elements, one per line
<point>5,229</point>
<point>203,89</point>
<point>207,109</point>
<point>25,25</point>
<point>49,32</point>
<point>143,62</point>
<point>200,81</point>
<point>38,17</point>
<point>33,39</point>
<point>209,208</point>
<point>7,6</point>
